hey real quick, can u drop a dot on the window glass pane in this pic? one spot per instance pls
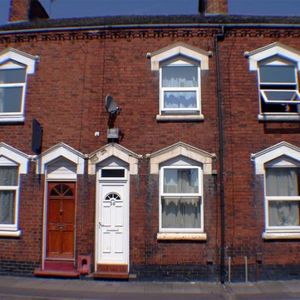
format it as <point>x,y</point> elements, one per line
<point>9,176</point>
<point>113,173</point>
<point>181,212</point>
<point>267,107</point>
<point>277,74</point>
<point>282,96</point>
<point>282,182</point>
<point>180,100</point>
<point>10,99</point>
<point>12,75</point>
<point>181,181</point>
<point>186,76</point>
<point>7,207</point>
<point>284,213</point>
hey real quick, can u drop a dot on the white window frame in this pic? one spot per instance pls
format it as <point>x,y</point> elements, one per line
<point>274,54</point>
<point>12,59</point>
<point>268,199</point>
<point>281,155</point>
<point>14,116</point>
<point>263,96</point>
<point>16,188</point>
<point>199,194</point>
<point>179,62</point>
<point>10,156</point>
<point>180,51</point>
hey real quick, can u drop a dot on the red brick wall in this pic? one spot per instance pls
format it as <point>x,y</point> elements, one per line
<point>244,134</point>
<point>66,95</point>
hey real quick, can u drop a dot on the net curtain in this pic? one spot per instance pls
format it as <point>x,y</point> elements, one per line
<point>283,182</point>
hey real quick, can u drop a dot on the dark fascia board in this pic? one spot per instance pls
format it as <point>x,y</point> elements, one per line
<point>151,21</point>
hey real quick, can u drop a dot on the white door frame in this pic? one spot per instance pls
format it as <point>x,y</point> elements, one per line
<point>113,181</point>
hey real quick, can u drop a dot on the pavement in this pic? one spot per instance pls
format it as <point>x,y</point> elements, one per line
<point>25,288</point>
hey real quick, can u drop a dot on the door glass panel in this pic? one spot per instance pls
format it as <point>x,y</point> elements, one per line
<point>112,173</point>
<point>61,190</point>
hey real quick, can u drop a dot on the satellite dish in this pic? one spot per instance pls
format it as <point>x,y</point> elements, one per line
<point>111,105</point>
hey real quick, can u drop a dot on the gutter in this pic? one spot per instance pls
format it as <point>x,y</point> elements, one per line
<point>148,26</point>
<point>218,38</point>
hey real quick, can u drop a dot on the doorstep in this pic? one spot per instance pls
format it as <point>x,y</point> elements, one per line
<point>56,273</point>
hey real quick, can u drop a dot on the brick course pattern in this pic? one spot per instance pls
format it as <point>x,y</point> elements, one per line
<point>66,95</point>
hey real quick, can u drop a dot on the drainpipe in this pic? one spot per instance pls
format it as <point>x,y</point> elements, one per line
<point>218,38</point>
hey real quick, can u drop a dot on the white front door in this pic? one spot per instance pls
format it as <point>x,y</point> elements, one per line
<point>113,223</point>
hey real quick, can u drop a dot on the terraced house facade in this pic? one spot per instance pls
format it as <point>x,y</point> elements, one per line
<point>150,147</point>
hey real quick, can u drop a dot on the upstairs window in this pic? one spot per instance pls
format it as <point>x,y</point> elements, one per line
<point>180,68</point>
<point>179,87</point>
<point>278,84</point>
<point>15,65</point>
<point>12,89</point>
<point>277,68</point>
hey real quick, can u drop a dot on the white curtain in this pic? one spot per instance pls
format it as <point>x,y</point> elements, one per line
<point>7,207</point>
<point>181,181</point>
<point>180,212</point>
<point>8,177</point>
<point>180,76</point>
<point>283,182</point>
<point>180,100</point>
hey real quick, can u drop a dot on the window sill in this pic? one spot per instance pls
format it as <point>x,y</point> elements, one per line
<point>11,119</point>
<point>167,118</point>
<point>280,235</point>
<point>182,236</point>
<point>279,117</point>
<point>7,233</point>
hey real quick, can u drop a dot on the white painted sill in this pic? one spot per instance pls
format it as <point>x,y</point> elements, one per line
<point>167,118</point>
<point>181,236</point>
<point>11,119</point>
<point>281,235</point>
<point>278,117</point>
<point>7,233</point>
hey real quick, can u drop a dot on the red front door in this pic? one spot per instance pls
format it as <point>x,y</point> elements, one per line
<point>61,220</point>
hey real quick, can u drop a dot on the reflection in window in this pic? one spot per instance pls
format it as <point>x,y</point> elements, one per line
<point>279,87</point>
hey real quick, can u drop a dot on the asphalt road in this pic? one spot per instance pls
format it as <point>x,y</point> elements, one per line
<point>30,288</point>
